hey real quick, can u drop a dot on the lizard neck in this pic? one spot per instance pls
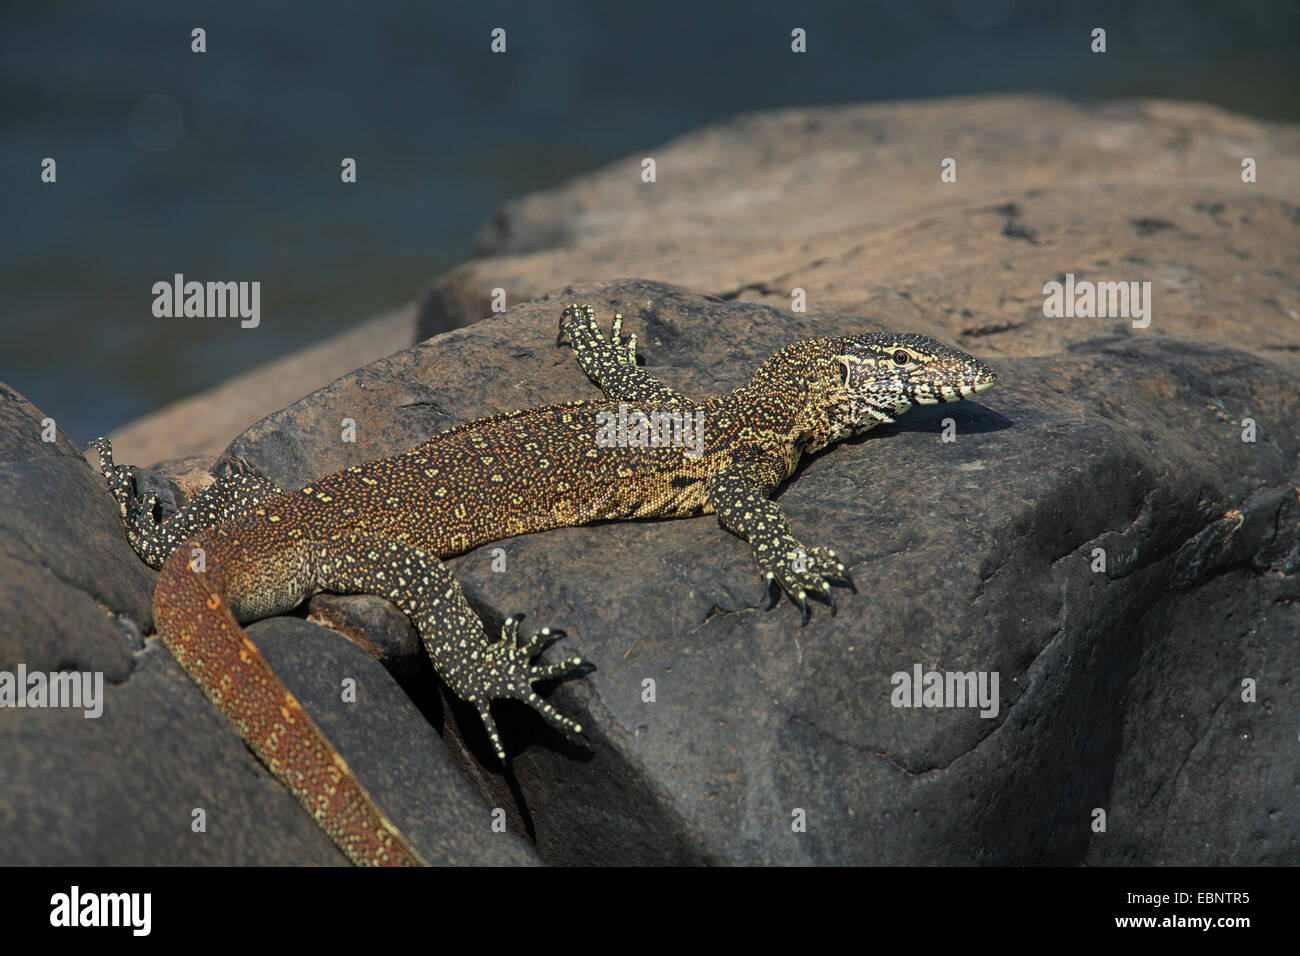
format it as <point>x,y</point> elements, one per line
<point>796,400</point>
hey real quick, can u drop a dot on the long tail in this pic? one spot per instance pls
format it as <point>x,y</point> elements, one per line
<point>198,628</point>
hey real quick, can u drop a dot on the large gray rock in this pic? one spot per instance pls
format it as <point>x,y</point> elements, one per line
<point>1119,690</point>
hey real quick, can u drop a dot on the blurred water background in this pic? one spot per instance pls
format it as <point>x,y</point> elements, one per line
<point>225,165</point>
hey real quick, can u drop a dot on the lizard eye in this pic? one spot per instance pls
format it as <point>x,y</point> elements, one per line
<point>901,357</point>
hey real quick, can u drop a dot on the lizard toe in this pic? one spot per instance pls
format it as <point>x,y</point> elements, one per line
<point>490,725</point>
<point>541,640</point>
<point>562,668</point>
<point>551,715</point>
<point>505,671</point>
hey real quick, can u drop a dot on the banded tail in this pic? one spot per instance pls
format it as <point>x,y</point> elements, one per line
<point>198,628</point>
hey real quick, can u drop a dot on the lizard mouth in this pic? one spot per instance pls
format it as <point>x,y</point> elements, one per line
<point>933,393</point>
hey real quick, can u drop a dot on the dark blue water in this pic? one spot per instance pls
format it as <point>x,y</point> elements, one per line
<point>225,165</point>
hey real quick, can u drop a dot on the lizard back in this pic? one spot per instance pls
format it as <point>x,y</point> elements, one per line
<point>522,472</point>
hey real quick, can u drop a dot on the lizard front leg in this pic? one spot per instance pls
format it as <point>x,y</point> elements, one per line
<point>476,670</point>
<point>227,498</point>
<point>611,363</point>
<point>741,503</point>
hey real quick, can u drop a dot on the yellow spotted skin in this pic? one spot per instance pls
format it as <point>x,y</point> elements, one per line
<point>243,549</point>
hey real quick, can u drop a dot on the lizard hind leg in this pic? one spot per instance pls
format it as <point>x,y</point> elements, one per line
<point>118,477</point>
<point>225,499</point>
<point>476,670</point>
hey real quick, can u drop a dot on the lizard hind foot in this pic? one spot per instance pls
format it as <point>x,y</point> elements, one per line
<point>509,671</point>
<point>139,515</point>
<point>117,477</point>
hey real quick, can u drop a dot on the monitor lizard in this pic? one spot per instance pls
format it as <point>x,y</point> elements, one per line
<point>243,549</point>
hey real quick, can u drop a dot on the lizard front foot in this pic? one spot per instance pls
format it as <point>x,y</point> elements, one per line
<point>506,669</point>
<point>578,325</point>
<point>801,572</point>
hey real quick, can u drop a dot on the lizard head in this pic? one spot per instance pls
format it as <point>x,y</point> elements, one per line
<point>876,377</point>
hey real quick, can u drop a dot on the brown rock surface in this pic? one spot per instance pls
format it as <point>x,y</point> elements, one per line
<point>846,203</point>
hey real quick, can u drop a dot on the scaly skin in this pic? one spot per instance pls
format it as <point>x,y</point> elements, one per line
<point>244,549</point>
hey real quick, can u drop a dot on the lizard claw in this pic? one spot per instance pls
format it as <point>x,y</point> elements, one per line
<point>826,595</point>
<point>565,317</point>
